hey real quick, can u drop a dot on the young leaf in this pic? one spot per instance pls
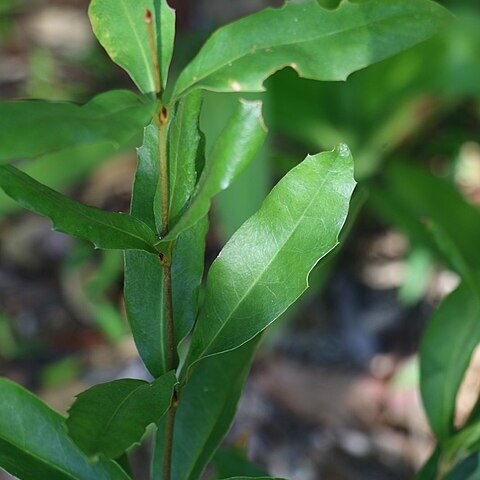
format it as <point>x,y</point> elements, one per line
<point>34,443</point>
<point>231,153</point>
<point>264,267</point>
<point>205,412</point>
<point>184,141</point>
<point>109,418</point>
<point>443,363</point>
<point>121,28</point>
<point>33,128</point>
<point>319,44</point>
<point>103,229</point>
<point>145,306</point>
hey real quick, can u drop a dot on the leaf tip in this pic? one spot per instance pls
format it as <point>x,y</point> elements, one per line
<point>343,150</point>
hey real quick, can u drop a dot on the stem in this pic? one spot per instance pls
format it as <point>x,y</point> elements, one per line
<point>166,260</point>
<point>167,285</point>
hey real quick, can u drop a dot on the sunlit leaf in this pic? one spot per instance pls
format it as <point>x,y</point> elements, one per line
<point>318,43</point>
<point>121,28</point>
<point>264,267</point>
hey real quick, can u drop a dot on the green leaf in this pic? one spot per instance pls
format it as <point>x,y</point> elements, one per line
<point>429,471</point>
<point>205,412</point>
<point>458,448</point>
<point>451,251</point>
<point>445,353</point>
<point>145,306</point>
<point>319,44</point>
<point>33,128</point>
<point>184,141</point>
<point>34,443</point>
<point>50,169</point>
<point>165,26</point>
<point>121,28</point>
<point>103,229</point>
<point>109,418</point>
<point>409,194</point>
<point>233,461</point>
<point>264,267</point>
<point>232,152</point>
<point>252,185</point>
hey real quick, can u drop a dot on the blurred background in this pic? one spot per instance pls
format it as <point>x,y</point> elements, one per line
<point>333,392</point>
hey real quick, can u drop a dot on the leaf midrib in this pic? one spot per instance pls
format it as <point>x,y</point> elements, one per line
<point>140,43</point>
<point>274,257</point>
<point>282,44</point>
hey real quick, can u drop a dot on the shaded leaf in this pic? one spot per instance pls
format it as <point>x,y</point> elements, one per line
<point>264,267</point>
<point>146,306</point>
<point>30,128</point>
<point>409,195</point>
<point>121,28</point>
<point>318,43</point>
<point>50,169</point>
<point>109,418</point>
<point>205,412</point>
<point>232,152</point>
<point>460,452</point>
<point>233,461</point>
<point>429,471</point>
<point>248,478</point>
<point>103,229</point>
<point>184,141</point>
<point>443,363</point>
<point>34,443</point>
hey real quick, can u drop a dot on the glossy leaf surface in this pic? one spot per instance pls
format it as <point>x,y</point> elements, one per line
<point>121,28</point>
<point>444,363</point>
<point>232,152</point>
<point>34,443</point>
<point>205,412</point>
<point>103,229</point>
<point>264,267</point>
<point>30,128</point>
<point>109,418</point>
<point>318,43</point>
